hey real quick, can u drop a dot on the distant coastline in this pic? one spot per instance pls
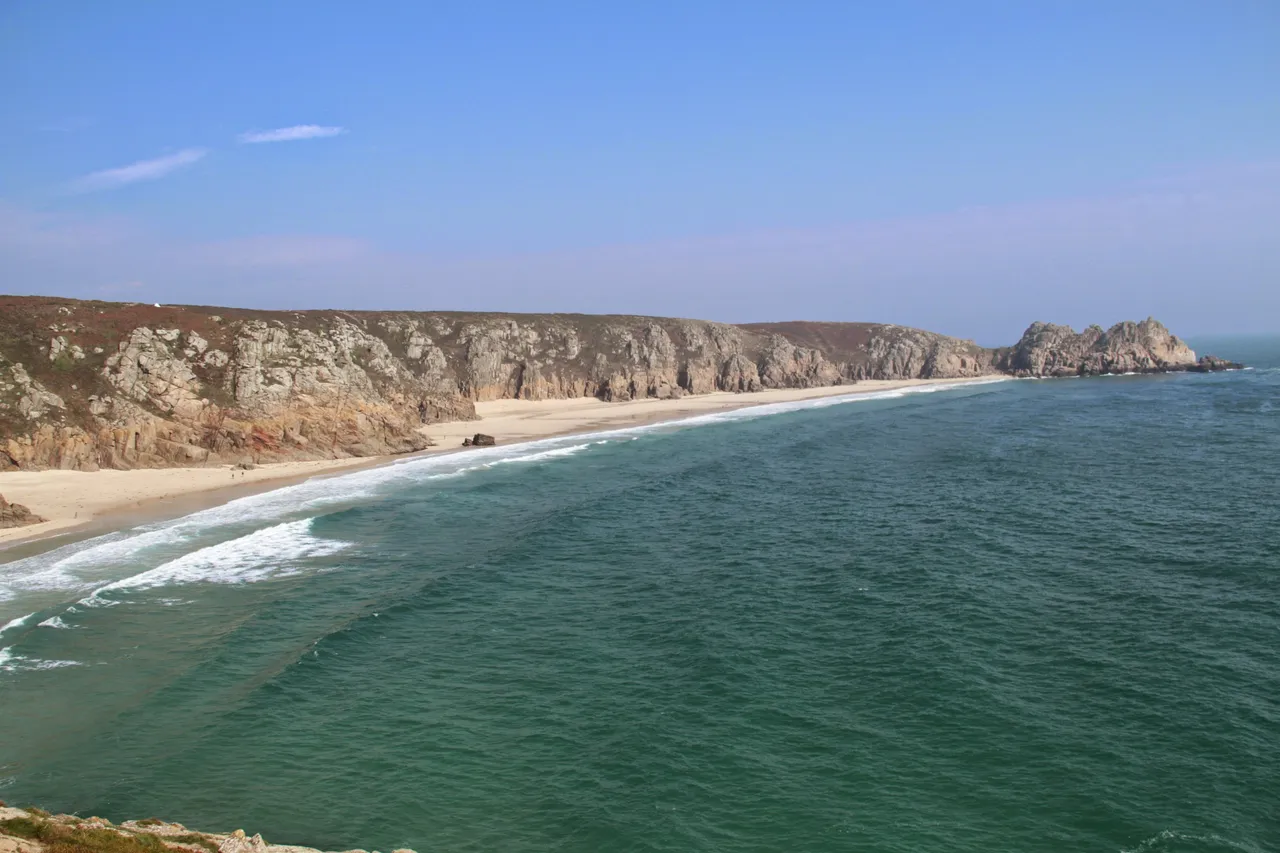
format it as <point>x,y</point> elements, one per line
<point>90,385</point>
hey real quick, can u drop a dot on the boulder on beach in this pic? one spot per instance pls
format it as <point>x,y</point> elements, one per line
<point>16,515</point>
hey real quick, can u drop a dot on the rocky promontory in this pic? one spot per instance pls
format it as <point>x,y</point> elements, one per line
<point>33,830</point>
<point>1146,347</point>
<point>87,385</point>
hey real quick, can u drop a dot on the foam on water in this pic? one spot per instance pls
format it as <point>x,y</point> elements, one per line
<point>10,662</point>
<point>270,552</point>
<point>54,622</point>
<point>15,623</point>
<point>556,453</point>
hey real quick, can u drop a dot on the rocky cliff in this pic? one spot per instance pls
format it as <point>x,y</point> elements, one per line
<point>98,384</point>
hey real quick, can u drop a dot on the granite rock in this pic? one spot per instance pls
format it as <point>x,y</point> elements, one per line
<point>1050,350</point>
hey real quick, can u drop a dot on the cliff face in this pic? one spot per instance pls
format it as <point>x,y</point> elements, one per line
<point>84,385</point>
<point>94,384</point>
<point>98,384</point>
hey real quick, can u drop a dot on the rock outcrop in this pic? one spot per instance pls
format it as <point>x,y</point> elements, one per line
<point>98,384</point>
<point>89,385</point>
<point>16,515</point>
<point>36,831</point>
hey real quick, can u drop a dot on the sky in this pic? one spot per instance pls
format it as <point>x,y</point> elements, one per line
<point>962,166</point>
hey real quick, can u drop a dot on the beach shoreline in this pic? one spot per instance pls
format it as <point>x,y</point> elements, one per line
<point>79,504</point>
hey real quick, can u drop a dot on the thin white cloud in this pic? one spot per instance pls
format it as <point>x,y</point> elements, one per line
<point>291,134</point>
<point>143,170</point>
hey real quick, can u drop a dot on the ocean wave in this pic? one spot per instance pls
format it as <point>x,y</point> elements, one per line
<point>554,453</point>
<point>537,456</point>
<point>10,662</point>
<point>97,602</point>
<point>258,556</point>
<point>84,566</point>
<point>15,623</point>
<point>54,622</point>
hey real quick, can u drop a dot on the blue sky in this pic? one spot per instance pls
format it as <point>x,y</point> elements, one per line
<point>962,166</point>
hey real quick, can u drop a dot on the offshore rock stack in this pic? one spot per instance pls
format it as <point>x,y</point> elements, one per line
<point>1146,347</point>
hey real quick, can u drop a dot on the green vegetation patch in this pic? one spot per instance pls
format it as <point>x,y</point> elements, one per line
<point>198,840</point>
<point>64,362</point>
<point>22,827</point>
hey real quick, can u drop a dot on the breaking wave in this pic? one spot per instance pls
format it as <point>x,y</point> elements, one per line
<point>556,453</point>
<point>15,623</point>
<point>10,662</point>
<point>270,552</point>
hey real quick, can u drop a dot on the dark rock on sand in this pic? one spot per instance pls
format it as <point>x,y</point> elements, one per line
<point>16,515</point>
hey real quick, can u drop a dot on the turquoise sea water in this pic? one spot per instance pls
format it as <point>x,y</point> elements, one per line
<point>1022,616</point>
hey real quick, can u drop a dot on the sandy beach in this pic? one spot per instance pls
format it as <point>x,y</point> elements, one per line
<point>90,502</point>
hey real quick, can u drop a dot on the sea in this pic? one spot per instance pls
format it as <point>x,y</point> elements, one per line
<point>1021,615</point>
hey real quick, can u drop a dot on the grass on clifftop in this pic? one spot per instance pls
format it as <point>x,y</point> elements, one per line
<point>60,838</point>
